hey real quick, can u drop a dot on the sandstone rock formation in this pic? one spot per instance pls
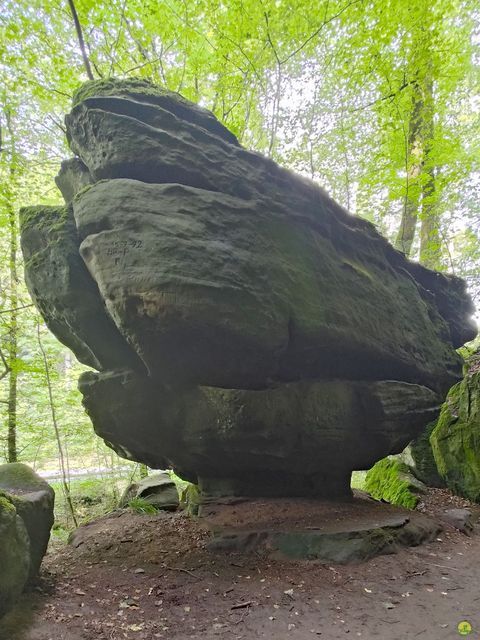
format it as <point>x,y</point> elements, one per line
<point>245,328</point>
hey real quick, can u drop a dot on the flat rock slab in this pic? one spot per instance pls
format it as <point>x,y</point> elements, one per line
<point>340,532</point>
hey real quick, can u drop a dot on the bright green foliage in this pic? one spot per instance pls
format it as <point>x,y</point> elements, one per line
<point>141,505</point>
<point>391,481</point>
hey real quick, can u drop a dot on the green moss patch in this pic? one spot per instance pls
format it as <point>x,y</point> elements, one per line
<point>390,480</point>
<point>117,87</point>
<point>17,477</point>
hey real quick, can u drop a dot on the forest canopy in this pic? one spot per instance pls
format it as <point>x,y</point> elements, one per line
<point>378,101</point>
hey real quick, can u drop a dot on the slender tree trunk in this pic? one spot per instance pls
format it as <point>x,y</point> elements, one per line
<point>414,159</point>
<point>81,41</point>
<point>12,348</point>
<point>13,345</point>
<point>61,454</point>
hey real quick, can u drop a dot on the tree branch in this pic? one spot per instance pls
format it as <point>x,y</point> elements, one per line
<point>24,306</point>
<point>317,31</point>
<point>390,96</point>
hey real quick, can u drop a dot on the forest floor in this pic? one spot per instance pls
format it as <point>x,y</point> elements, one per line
<point>140,577</point>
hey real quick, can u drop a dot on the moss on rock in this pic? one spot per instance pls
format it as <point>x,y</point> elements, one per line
<point>118,87</point>
<point>391,480</point>
<point>17,477</point>
<point>456,438</point>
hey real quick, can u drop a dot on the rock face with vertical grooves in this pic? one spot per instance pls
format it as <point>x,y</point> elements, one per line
<point>246,328</point>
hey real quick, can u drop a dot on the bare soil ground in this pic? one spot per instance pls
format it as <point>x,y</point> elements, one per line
<point>139,577</point>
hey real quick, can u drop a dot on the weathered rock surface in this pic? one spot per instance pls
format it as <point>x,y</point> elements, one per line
<point>298,439</point>
<point>314,530</point>
<point>33,499</point>
<point>456,438</point>
<point>158,489</point>
<point>72,178</point>
<point>64,292</point>
<point>249,330</point>
<point>14,554</point>
<point>214,289</point>
<point>461,519</point>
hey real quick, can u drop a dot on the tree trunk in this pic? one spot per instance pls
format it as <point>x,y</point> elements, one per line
<point>12,346</point>
<point>420,191</point>
<point>413,162</point>
<point>12,338</point>
<point>430,240</point>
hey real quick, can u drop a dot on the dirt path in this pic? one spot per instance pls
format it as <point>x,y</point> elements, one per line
<point>145,577</point>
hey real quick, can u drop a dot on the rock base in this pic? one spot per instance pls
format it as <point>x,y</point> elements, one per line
<point>342,532</point>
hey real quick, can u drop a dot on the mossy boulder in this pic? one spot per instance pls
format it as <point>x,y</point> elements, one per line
<point>14,554</point>
<point>391,480</point>
<point>456,438</point>
<point>33,499</point>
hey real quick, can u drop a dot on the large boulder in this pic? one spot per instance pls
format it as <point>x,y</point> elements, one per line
<point>14,554</point>
<point>456,438</point>
<point>33,499</point>
<point>250,331</point>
